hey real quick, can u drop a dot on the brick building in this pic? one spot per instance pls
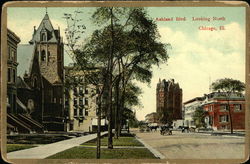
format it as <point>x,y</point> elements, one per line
<point>168,100</point>
<point>12,41</point>
<point>218,116</point>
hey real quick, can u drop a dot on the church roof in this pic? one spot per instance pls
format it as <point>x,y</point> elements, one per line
<point>21,83</point>
<point>45,25</point>
<point>24,58</point>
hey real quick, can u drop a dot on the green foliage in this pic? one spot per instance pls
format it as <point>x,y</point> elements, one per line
<point>121,141</point>
<point>165,116</point>
<point>16,147</point>
<point>199,117</point>
<point>81,152</point>
<point>228,85</point>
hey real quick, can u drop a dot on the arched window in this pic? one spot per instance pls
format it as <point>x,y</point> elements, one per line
<point>43,55</point>
<point>43,37</point>
<point>35,82</point>
<point>48,56</point>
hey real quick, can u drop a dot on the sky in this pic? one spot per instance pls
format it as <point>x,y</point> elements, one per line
<point>198,56</point>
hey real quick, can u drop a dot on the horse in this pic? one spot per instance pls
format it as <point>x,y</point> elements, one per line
<point>153,127</point>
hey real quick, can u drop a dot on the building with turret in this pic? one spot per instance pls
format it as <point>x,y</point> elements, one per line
<point>168,100</point>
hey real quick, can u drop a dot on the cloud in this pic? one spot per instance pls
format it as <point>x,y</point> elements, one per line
<point>230,39</point>
<point>23,28</point>
<point>196,58</point>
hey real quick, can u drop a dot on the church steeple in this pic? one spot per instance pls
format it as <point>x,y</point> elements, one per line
<point>45,29</point>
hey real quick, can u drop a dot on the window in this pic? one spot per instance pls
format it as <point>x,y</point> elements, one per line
<point>86,101</point>
<point>48,56</point>
<point>75,101</point>
<point>223,107</point>
<point>237,107</point>
<point>66,101</point>
<point>43,36</point>
<point>210,121</point>
<point>86,112</point>
<point>15,56</point>
<point>9,74</point>
<point>35,83</point>
<point>80,101</point>
<point>9,54</point>
<point>14,75</point>
<point>12,54</point>
<point>210,108</point>
<point>224,118</point>
<point>86,90</point>
<point>75,111</point>
<point>75,91</point>
<point>81,90</point>
<point>81,112</point>
<point>43,55</point>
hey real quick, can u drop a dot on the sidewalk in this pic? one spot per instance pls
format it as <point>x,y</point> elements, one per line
<point>44,151</point>
<point>228,134</point>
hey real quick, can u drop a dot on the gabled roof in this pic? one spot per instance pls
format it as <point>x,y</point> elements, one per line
<point>24,58</point>
<point>45,25</point>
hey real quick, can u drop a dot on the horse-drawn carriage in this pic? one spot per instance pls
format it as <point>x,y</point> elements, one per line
<point>166,130</point>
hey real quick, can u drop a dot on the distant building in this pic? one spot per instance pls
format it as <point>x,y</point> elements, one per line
<point>218,116</point>
<point>80,103</point>
<point>151,118</point>
<point>190,107</point>
<point>169,99</point>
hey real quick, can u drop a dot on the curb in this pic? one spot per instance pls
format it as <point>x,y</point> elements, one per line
<point>222,135</point>
<point>154,151</point>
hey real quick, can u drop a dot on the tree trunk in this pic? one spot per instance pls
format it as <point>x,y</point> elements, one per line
<point>110,70</point>
<point>230,118</point>
<point>117,108</point>
<point>98,148</point>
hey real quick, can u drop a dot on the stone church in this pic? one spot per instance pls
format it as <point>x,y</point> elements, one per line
<point>40,81</point>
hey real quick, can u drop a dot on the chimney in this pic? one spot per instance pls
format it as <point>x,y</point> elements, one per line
<point>34,30</point>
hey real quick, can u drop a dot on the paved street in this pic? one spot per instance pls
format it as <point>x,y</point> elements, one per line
<point>47,150</point>
<point>194,145</point>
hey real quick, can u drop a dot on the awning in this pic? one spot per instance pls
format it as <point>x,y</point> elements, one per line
<point>103,122</point>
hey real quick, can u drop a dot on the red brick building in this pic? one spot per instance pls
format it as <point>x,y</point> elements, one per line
<point>218,115</point>
<point>168,100</point>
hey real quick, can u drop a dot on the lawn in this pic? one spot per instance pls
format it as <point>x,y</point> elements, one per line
<point>121,141</point>
<point>15,147</point>
<point>81,152</point>
<point>35,139</point>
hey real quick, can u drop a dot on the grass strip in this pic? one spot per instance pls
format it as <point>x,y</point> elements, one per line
<point>81,152</point>
<point>16,147</point>
<point>121,141</point>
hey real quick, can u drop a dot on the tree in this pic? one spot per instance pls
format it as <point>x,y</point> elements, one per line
<point>165,116</point>
<point>199,117</point>
<point>124,47</point>
<point>228,86</point>
<point>129,42</point>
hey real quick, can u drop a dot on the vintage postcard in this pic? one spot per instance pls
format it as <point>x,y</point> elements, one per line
<point>120,82</point>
